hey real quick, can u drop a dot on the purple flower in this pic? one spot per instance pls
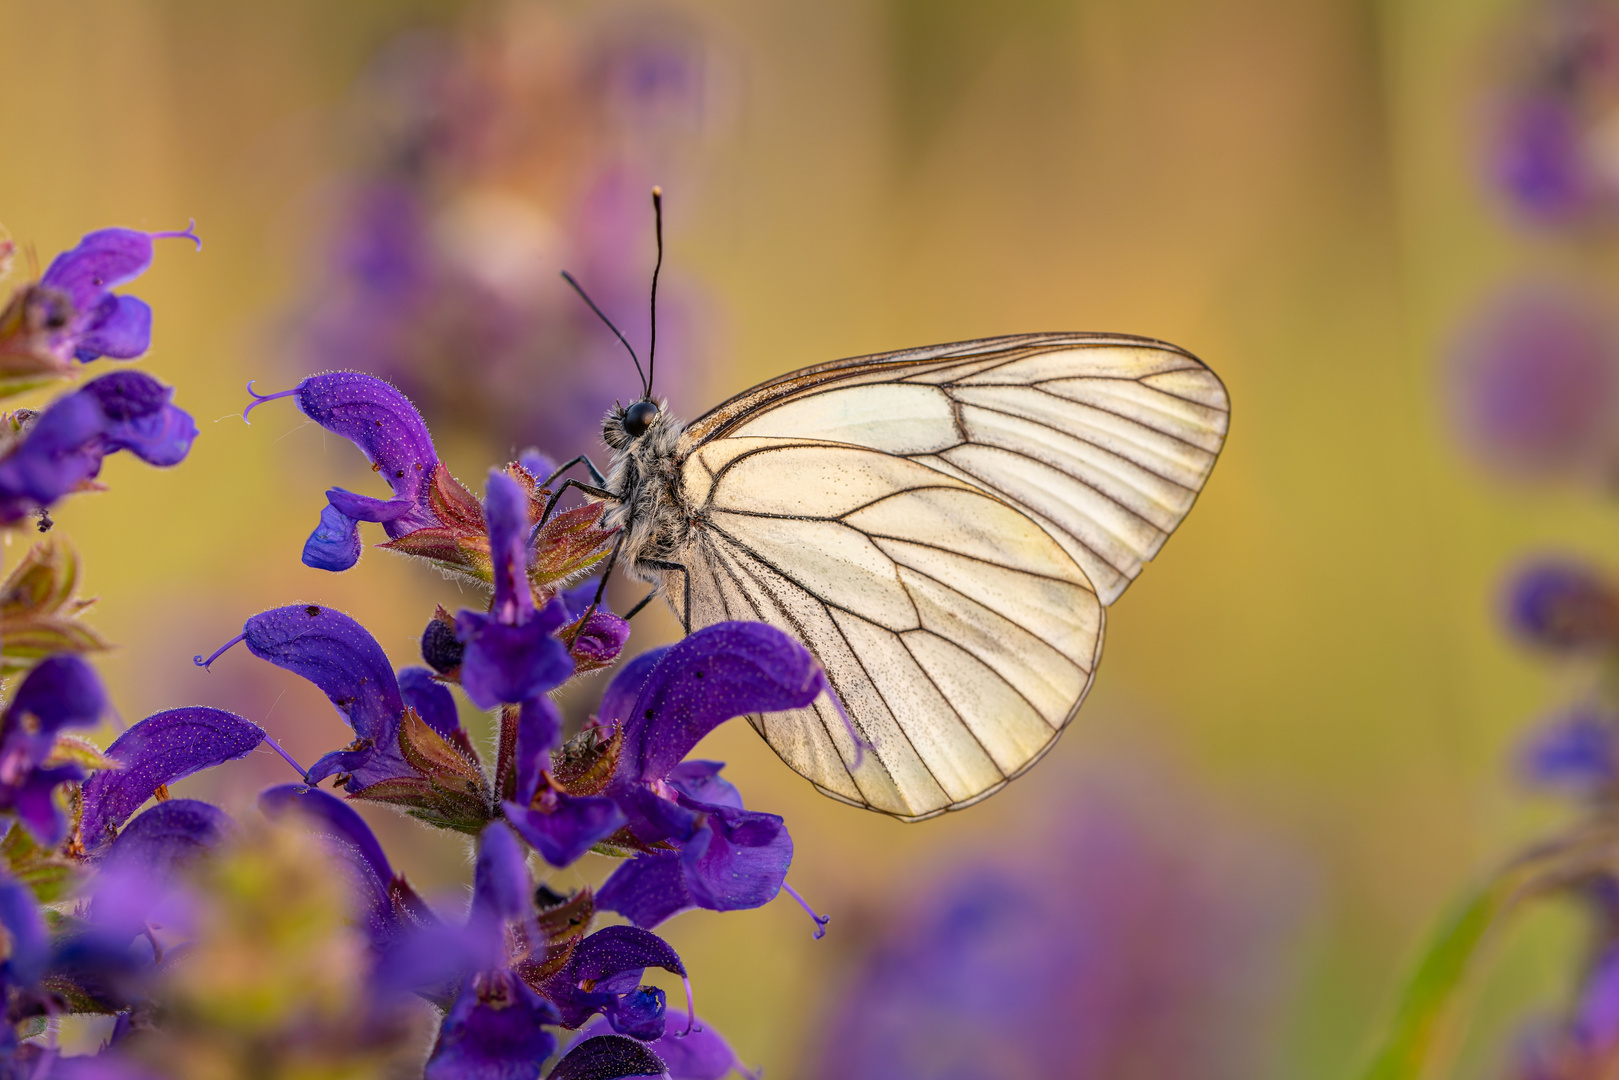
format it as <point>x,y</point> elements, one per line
<point>391,433</point>
<point>61,692</point>
<point>1577,753</point>
<point>72,310</point>
<point>512,653</point>
<point>161,749</point>
<point>1534,386</point>
<point>1562,606</point>
<point>724,857</point>
<point>338,655</point>
<point>559,825</point>
<point>126,410</point>
<point>141,870</point>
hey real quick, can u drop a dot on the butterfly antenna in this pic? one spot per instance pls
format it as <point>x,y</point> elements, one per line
<point>646,387</point>
<point>652,350</point>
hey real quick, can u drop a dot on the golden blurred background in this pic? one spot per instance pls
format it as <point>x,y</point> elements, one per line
<point>1288,190</point>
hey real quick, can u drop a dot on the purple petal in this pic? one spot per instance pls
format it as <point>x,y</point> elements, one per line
<point>140,419</point>
<point>700,1054</point>
<point>353,842</point>
<point>601,639</point>
<point>159,750</point>
<point>122,329</point>
<point>501,884</point>
<point>386,427</point>
<point>431,699</point>
<point>338,655</point>
<point>366,508</point>
<point>62,449</point>
<point>739,861</point>
<point>536,464</point>
<point>493,1032</point>
<point>1538,160</point>
<point>1578,753</point>
<point>505,509</point>
<point>61,692</point>
<point>102,1066</point>
<point>28,941</point>
<point>510,664</point>
<point>647,889</point>
<point>154,849</point>
<point>720,672</point>
<point>700,781</point>
<point>35,802</point>
<point>618,700</point>
<point>335,543</point>
<point>101,261</point>
<point>539,730</point>
<point>607,1057</point>
<point>576,825</point>
<point>1596,1022</point>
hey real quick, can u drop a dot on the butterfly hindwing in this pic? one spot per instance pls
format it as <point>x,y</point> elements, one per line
<point>959,635</point>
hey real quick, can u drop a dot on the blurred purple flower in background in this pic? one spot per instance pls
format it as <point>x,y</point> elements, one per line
<point>1553,147</point>
<point>1534,385</point>
<point>1111,947</point>
<point>502,152</point>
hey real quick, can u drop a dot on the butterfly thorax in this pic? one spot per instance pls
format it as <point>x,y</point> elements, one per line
<point>653,510</point>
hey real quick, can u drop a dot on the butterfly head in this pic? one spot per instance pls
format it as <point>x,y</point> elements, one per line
<point>625,424</point>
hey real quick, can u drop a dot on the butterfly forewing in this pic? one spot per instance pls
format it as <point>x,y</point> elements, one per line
<point>944,527</point>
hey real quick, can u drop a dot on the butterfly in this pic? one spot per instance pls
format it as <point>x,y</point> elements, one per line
<point>944,527</point>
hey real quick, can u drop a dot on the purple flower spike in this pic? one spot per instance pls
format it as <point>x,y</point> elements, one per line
<point>701,1055</point>
<point>608,1057</point>
<point>104,323</point>
<point>159,750</point>
<point>336,653</point>
<point>127,410</point>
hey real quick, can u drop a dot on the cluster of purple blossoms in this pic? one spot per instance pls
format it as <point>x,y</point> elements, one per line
<point>489,174</point>
<point>1551,148</point>
<point>105,900</point>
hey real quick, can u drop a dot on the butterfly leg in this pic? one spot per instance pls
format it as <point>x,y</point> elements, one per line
<point>551,503</point>
<point>685,609</point>
<point>601,587</point>
<point>595,473</point>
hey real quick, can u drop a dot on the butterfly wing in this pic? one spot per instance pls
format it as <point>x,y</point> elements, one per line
<point>960,637</point>
<point>1103,440</point>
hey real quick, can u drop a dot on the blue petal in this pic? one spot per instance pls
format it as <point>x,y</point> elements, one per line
<point>159,750</point>
<point>122,330</point>
<point>366,508</point>
<point>739,860</point>
<point>493,1031</point>
<point>501,884</point>
<point>639,1014</point>
<point>510,664</point>
<point>102,260</point>
<point>335,543</point>
<point>647,889</point>
<point>722,671</point>
<point>505,510</point>
<point>431,699</point>
<point>563,835</point>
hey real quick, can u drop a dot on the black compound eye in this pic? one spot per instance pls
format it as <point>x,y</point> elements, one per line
<point>639,417</point>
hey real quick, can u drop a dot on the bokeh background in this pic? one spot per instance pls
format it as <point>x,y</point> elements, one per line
<point>1308,704</point>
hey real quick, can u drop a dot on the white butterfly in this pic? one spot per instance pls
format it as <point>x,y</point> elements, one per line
<point>943,527</point>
